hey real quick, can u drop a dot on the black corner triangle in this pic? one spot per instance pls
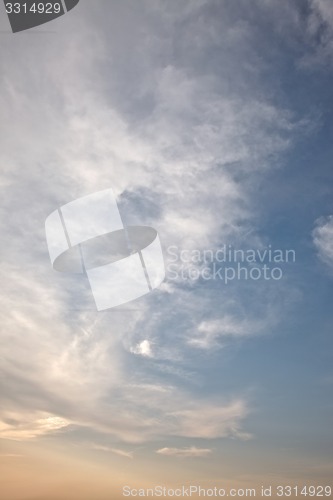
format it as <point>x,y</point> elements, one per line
<point>70,4</point>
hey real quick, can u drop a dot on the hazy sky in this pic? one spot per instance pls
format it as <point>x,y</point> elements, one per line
<point>212,122</point>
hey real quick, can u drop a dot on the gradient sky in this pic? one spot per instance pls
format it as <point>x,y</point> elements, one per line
<point>212,122</point>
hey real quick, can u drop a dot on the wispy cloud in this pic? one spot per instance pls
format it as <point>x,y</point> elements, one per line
<point>19,427</point>
<point>116,451</point>
<point>208,421</point>
<point>323,239</point>
<point>226,327</point>
<point>319,29</point>
<point>191,452</point>
<point>183,150</point>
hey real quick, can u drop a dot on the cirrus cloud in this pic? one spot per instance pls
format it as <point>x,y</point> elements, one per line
<point>191,452</point>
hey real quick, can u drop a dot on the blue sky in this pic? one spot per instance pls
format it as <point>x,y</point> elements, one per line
<point>212,123</point>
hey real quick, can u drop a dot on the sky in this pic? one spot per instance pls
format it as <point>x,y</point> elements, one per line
<point>211,121</point>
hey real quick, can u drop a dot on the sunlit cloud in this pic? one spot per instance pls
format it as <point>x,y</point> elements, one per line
<point>18,428</point>
<point>185,452</point>
<point>143,348</point>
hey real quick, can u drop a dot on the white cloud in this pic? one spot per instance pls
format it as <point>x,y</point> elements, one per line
<point>163,130</point>
<point>225,328</point>
<point>144,348</point>
<point>323,239</point>
<point>185,452</point>
<point>74,371</point>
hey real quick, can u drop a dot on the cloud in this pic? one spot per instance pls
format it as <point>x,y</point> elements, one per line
<point>208,421</point>
<point>116,451</point>
<point>319,32</point>
<point>143,348</point>
<point>225,328</point>
<point>323,239</point>
<point>146,412</point>
<point>185,452</point>
<point>149,111</point>
<point>12,426</point>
